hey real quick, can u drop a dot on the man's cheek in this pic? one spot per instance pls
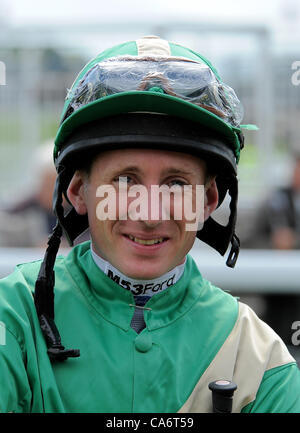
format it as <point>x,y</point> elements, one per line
<point>194,204</point>
<point>106,206</point>
<point>122,205</point>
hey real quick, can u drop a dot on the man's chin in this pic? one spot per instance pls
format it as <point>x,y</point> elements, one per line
<point>140,271</point>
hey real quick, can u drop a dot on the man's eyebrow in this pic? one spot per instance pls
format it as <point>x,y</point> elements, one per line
<point>166,171</point>
<point>175,170</point>
<point>129,168</point>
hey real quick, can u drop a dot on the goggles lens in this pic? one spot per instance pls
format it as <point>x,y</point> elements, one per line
<point>188,80</point>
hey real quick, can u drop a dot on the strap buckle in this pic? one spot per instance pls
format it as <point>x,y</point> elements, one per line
<point>234,251</point>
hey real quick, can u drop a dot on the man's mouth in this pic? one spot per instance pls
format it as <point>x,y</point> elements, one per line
<point>146,241</point>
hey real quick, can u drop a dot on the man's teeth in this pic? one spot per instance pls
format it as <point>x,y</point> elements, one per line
<point>146,241</point>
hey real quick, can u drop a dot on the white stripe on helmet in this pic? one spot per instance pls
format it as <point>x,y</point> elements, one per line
<point>153,46</point>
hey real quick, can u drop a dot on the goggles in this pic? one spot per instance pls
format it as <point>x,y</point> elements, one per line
<point>182,78</point>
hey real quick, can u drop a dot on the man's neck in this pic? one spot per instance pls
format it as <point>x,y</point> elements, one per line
<point>139,287</point>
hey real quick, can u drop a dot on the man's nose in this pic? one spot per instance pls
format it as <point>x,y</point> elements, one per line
<point>150,207</point>
<point>151,223</point>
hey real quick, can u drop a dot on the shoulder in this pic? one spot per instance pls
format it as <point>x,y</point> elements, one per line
<point>214,297</point>
<point>251,354</point>
<point>18,287</point>
<point>266,346</point>
<point>17,309</point>
<point>259,353</point>
<point>273,379</point>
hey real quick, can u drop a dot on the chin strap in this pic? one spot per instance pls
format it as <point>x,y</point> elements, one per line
<point>219,236</point>
<point>44,301</point>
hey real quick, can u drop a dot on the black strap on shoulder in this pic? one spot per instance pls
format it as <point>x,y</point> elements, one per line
<point>44,301</point>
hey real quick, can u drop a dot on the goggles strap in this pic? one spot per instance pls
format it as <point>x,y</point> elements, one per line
<point>44,300</point>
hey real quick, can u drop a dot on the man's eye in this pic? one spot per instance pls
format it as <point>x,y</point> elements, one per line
<point>123,179</point>
<point>177,182</point>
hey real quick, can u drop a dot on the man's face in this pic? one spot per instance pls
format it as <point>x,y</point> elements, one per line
<point>128,244</point>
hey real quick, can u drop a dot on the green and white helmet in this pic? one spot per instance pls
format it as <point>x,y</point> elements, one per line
<point>132,95</point>
<point>148,93</point>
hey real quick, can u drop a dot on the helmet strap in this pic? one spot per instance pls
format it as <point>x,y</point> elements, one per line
<point>218,236</point>
<point>44,300</point>
<point>71,222</point>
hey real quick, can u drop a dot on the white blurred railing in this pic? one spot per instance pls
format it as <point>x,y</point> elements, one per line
<point>256,271</point>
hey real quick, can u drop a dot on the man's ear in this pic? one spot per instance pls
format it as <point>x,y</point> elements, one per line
<point>76,193</point>
<point>211,198</point>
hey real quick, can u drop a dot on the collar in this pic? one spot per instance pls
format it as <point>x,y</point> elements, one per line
<point>139,287</point>
<point>116,305</point>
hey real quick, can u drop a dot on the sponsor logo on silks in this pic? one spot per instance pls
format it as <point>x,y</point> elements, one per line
<point>140,288</point>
